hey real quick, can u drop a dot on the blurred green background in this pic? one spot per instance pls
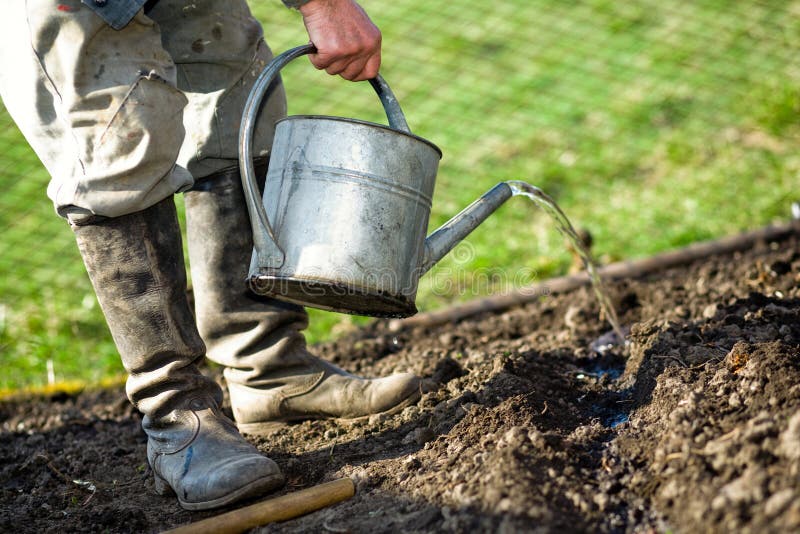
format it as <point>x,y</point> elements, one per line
<point>653,124</point>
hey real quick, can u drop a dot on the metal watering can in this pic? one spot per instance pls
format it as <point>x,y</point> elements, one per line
<point>345,208</point>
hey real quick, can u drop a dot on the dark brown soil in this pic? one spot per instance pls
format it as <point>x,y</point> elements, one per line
<point>524,426</point>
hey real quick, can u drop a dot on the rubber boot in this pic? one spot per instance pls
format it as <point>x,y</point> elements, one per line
<point>136,266</point>
<point>271,375</point>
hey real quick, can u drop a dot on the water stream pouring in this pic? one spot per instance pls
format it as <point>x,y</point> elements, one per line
<point>345,208</point>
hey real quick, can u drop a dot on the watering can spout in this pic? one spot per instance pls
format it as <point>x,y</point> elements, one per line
<point>444,239</point>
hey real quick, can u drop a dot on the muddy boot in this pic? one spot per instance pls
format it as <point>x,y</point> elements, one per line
<point>270,374</point>
<point>136,265</point>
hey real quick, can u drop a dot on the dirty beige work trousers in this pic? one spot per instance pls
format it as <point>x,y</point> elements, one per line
<point>124,118</point>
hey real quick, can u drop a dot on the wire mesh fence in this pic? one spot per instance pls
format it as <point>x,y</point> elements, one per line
<point>654,124</point>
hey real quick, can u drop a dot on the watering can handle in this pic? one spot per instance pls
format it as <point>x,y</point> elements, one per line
<point>268,252</point>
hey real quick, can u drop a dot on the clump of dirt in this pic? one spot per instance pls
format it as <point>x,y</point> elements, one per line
<point>524,424</point>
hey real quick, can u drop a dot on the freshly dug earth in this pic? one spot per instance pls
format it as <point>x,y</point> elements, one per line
<point>526,423</point>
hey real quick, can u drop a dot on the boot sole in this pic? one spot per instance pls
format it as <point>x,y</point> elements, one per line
<point>268,427</point>
<point>253,489</point>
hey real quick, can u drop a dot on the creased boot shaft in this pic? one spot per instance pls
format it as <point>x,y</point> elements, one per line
<point>248,334</point>
<point>136,266</point>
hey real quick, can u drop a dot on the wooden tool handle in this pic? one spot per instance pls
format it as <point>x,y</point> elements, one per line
<point>278,509</point>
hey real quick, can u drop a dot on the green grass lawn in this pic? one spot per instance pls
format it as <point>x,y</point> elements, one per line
<point>652,124</point>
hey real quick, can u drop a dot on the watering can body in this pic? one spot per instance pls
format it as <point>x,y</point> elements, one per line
<point>348,202</point>
<point>341,225</point>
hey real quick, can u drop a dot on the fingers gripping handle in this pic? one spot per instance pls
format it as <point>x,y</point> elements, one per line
<point>269,254</point>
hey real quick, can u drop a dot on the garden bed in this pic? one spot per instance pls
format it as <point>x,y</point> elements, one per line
<point>527,422</point>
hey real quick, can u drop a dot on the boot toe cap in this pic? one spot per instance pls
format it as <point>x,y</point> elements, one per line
<point>395,391</point>
<point>227,482</point>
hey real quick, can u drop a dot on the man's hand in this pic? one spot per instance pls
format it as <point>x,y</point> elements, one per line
<point>348,43</point>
